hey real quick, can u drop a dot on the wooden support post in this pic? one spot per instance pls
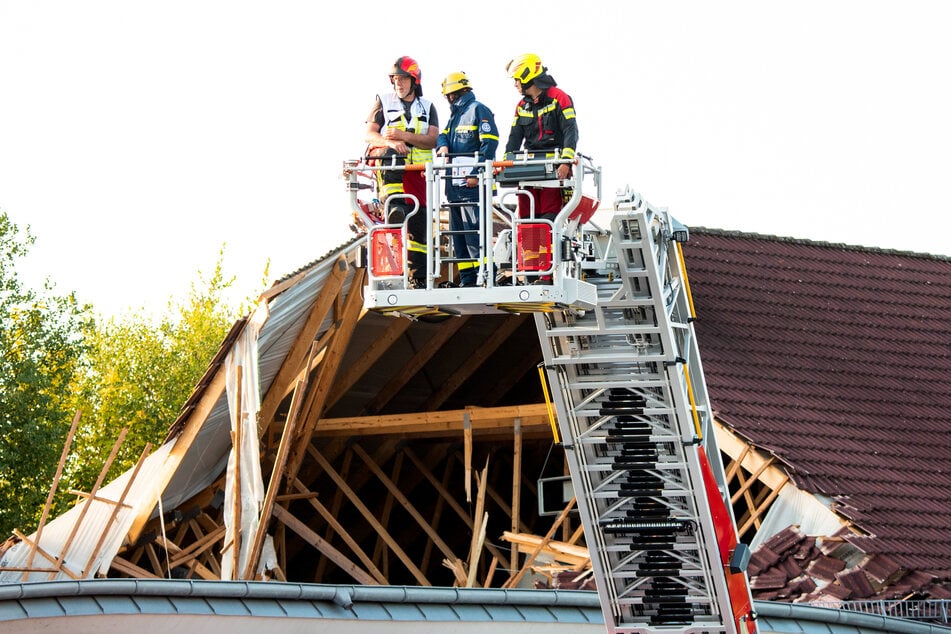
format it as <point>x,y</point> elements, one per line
<point>516,482</point>
<point>53,486</point>
<point>236,485</point>
<point>277,470</point>
<point>88,502</point>
<point>479,525</point>
<point>450,500</point>
<point>117,505</point>
<point>467,449</point>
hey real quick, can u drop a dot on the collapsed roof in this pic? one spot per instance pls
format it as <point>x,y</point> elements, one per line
<point>383,442</point>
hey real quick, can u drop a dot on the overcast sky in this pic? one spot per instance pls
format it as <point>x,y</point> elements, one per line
<point>138,138</point>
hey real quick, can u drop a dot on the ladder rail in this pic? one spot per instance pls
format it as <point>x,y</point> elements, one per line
<point>634,414</point>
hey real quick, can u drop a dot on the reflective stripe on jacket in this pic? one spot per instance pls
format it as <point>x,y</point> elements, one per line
<point>471,128</point>
<point>545,124</point>
<point>394,116</point>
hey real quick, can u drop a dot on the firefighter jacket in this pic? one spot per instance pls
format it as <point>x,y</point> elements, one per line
<point>544,125</point>
<point>416,118</point>
<point>471,128</point>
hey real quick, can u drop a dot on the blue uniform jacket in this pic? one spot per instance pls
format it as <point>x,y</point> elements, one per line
<point>471,128</point>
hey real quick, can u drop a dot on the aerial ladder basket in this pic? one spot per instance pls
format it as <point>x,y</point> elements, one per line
<point>526,264</point>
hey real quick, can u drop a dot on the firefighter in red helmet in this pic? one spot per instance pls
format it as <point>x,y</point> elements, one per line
<point>403,124</point>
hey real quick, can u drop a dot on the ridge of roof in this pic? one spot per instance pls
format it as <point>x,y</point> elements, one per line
<point>811,242</point>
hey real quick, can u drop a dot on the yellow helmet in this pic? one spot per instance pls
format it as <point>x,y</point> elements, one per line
<point>525,68</point>
<point>455,81</point>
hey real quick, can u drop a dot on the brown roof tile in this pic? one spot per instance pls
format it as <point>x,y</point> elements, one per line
<point>785,540</point>
<point>882,568</point>
<point>836,358</point>
<point>825,567</point>
<point>762,559</point>
<point>772,580</point>
<point>857,582</point>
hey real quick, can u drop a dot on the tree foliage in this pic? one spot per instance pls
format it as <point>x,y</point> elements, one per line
<point>134,372</point>
<point>42,336</point>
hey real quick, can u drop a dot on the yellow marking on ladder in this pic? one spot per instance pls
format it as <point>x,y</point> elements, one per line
<point>693,403</point>
<point>551,411</point>
<point>683,271</point>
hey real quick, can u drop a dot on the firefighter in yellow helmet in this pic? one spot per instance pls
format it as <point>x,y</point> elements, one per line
<point>470,138</point>
<point>403,124</point>
<point>544,121</point>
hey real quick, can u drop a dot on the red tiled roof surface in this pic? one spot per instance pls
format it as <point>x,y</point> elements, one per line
<point>838,360</point>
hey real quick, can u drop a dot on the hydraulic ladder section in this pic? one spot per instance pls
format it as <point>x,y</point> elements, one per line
<point>634,417</point>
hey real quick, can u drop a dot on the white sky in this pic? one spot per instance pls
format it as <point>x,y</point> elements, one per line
<point>137,138</point>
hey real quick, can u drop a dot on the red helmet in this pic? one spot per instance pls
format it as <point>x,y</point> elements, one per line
<point>408,67</point>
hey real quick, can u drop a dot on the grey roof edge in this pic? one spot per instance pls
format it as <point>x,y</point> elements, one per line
<point>554,601</point>
<point>735,233</point>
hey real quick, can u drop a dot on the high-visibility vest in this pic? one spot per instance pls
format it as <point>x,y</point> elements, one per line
<point>394,116</point>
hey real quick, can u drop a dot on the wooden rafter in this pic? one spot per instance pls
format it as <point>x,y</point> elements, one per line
<point>331,519</point>
<point>59,473</point>
<point>438,508</point>
<point>450,500</point>
<point>117,505</point>
<point>763,502</point>
<point>508,377</point>
<point>318,542</point>
<point>347,317</point>
<point>403,501</point>
<point>87,503</point>
<point>349,376</point>
<point>286,376</point>
<point>746,483</point>
<point>369,516</point>
<point>423,355</point>
<point>380,553</point>
<point>450,423</point>
<point>335,507</point>
<point>486,349</point>
<point>530,559</point>
<point>190,426</point>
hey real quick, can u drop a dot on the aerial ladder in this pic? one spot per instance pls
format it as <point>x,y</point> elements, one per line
<point>615,324</point>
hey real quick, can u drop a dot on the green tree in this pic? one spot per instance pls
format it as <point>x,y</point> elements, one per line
<point>42,339</point>
<point>139,372</point>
